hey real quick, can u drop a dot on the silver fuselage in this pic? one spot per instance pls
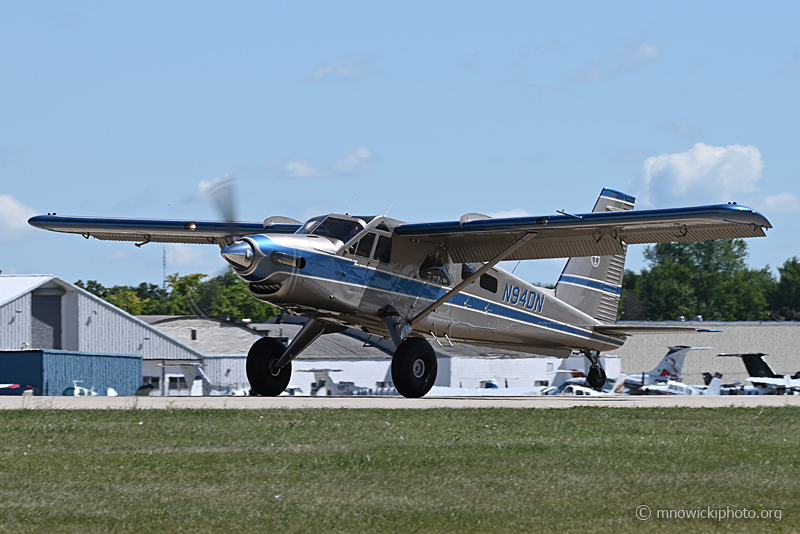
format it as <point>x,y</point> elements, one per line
<point>337,284</point>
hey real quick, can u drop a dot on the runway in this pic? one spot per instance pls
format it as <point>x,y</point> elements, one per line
<point>263,403</point>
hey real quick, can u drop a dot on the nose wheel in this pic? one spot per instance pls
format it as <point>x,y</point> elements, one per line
<point>414,367</point>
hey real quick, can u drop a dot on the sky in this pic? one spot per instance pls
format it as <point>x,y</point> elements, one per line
<point>504,108</point>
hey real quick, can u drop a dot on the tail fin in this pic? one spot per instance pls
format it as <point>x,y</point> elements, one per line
<point>594,284</point>
<point>756,366</point>
<point>671,365</point>
<point>714,385</point>
<point>192,374</point>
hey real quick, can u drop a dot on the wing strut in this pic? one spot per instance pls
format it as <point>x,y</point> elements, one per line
<point>474,276</point>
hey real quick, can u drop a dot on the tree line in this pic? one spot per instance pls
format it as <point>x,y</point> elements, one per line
<point>191,294</point>
<point>706,278</point>
<point>710,279</point>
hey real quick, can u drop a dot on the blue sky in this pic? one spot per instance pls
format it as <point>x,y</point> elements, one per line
<point>126,108</point>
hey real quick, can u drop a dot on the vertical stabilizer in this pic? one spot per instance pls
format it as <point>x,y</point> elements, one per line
<point>594,284</point>
<point>714,386</point>
<point>671,365</point>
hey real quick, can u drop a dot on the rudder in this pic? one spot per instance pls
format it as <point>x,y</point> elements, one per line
<point>594,284</point>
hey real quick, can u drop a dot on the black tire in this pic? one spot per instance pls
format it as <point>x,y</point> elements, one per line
<point>414,367</point>
<point>596,377</point>
<point>262,357</point>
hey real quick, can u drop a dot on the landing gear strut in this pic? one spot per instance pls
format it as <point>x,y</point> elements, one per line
<point>596,378</point>
<point>414,367</point>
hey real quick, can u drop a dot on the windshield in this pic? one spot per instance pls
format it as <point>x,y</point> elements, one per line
<point>342,229</point>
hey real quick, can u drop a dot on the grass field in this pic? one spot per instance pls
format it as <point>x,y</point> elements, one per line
<point>438,470</point>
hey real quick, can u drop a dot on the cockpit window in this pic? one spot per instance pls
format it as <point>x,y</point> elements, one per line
<point>342,229</point>
<point>433,269</point>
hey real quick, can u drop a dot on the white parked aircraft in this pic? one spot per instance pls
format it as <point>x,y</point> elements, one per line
<point>669,368</point>
<point>200,385</point>
<point>673,387</point>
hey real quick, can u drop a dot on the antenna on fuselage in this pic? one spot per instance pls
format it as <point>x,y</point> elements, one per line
<point>348,204</point>
<point>390,204</point>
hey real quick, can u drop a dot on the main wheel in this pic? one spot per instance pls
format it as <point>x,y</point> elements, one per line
<point>414,367</point>
<point>261,373</point>
<point>596,377</point>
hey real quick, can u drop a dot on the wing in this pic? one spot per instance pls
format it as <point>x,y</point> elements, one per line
<point>589,234</point>
<point>160,231</point>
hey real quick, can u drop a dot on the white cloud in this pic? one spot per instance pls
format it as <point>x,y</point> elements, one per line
<point>359,160</point>
<point>626,59</point>
<point>14,218</point>
<point>781,203</point>
<point>347,67</point>
<point>516,212</point>
<point>703,174</point>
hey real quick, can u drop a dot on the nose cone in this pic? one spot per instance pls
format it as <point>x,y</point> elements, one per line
<point>239,255</point>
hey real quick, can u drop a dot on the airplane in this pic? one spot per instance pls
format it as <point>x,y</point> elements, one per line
<point>78,391</point>
<point>415,282</point>
<point>675,387</point>
<point>201,386</point>
<point>324,385</point>
<point>764,380</point>
<point>669,368</point>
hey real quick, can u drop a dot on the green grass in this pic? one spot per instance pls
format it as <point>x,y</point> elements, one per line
<point>436,470</point>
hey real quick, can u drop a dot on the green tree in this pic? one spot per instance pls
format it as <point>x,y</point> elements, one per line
<point>708,278</point>
<point>187,295</point>
<point>184,294</point>
<point>127,300</point>
<point>785,300</point>
<point>227,295</point>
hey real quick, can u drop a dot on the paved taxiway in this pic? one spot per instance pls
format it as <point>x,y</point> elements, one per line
<point>256,403</point>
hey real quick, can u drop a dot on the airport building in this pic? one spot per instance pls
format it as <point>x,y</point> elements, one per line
<point>45,313</point>
<point>45,318</point>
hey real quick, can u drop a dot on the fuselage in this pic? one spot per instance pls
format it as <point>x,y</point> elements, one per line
<point>346,270</point>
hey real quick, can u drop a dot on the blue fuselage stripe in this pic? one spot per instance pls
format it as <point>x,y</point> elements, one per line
<point>594,284</point>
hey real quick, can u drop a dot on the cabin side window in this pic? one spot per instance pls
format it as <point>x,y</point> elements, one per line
<point>365,245</point>
<point>383,252</point>
<point>489,283</point>
<point>433,270</point>
<point>467,270</point>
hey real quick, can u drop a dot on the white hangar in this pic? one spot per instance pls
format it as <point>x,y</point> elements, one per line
<point>45,312</point>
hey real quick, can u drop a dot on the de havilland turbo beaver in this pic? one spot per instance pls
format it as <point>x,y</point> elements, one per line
<point>415,282</point>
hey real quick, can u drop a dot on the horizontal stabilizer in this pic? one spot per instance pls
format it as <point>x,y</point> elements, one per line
<point>629,330</point>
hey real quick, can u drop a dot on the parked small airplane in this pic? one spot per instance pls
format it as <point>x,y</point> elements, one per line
<point>412,282</point>
<point>200,385</point>
<point>78,391</point>
<point>324,385</point>
<point>669,368</point>
<point>674,387</point>
<point>764,380</point>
